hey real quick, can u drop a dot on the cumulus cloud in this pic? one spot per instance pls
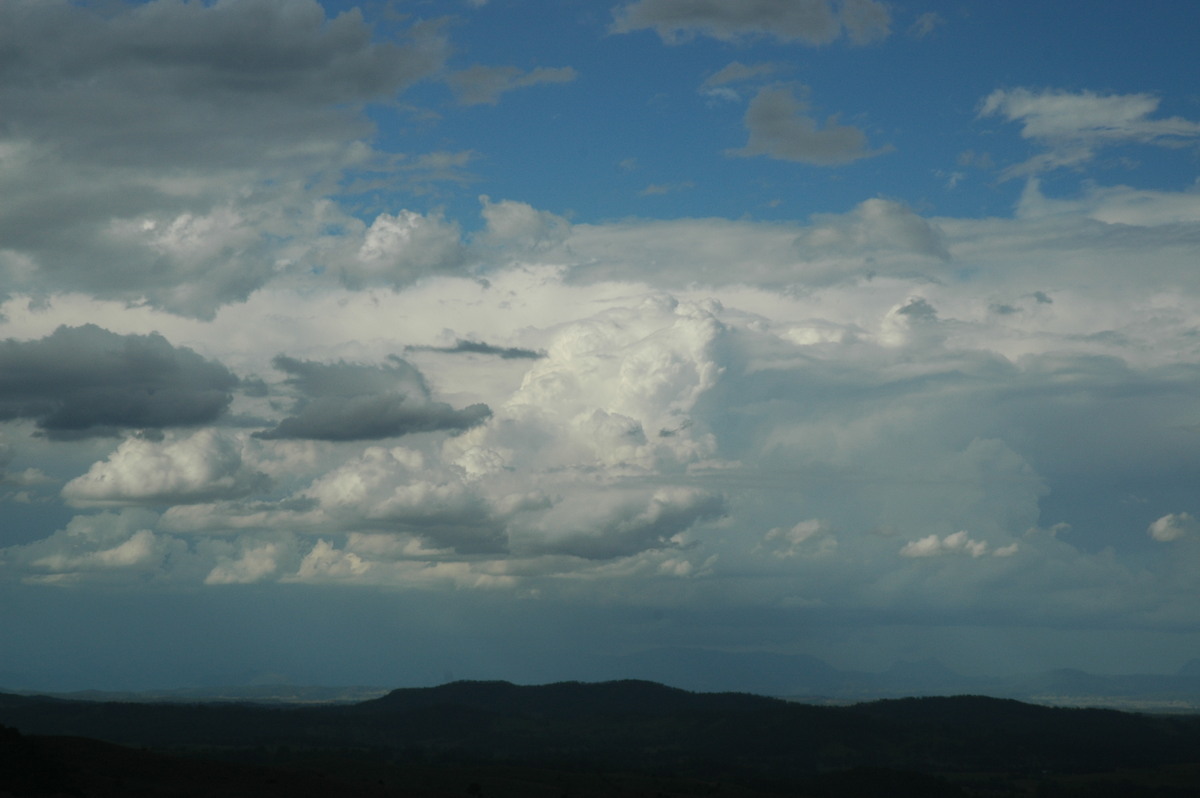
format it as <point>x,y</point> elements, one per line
<point>179,143</point>
<point>780,127</point>
<point>517,228</point>
<point>1173,526</point>
<point>813,535</point>
<point>483,85</point>
<point>396,490</point>
<point>913,321</point>
<point>351,402</point>
<point>850,373</point>
<point>1074,126</point>
<point>103,546</point>
<point>619,523</point>
<point>326,563</point>
<point>206,466</point>
<point>400,248</point>
<point>932,546</point>
<point>876,224</point>
<point>82,381</point>
<point>809,21</point>
<point>615,391</point>
<point>254,564</point>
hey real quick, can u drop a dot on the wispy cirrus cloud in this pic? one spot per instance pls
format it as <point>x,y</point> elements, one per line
<point>810,21</point>
<point>1074,126</point>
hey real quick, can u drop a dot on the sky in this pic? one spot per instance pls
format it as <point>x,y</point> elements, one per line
<point>394,342</point>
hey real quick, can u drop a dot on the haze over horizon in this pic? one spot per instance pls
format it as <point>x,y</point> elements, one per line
<point>400,342</point>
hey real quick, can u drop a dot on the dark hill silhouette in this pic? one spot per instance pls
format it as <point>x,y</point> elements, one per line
<point>565,699</point>
<point>638,727</point>
<point>76,766</point>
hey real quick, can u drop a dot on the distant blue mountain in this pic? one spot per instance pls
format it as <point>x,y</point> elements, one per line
<point>802,677</point>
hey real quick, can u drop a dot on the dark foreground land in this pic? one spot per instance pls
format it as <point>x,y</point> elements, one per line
<point>610,739</point>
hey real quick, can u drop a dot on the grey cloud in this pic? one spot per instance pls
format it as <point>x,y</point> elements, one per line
<point>779,127</point>
<point>462,347</point>
<point>636,526</point>
<point>483,85</point>
<point>809,21</point>
<point>354,402</point>
<point>925,24</point>
<point>344,380</point>
<point>398,249</point>
<point>736,72</point>
<point>1074,126</point>
<point>162,150</point>
<point>173,75</point>
<point>82,381</point>
<point>372,417</point>
<point>875,225</point>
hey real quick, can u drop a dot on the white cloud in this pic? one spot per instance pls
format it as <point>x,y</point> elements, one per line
<point>139,549</point>
<point>876,224</point>
<point>1174,526</point>
<point>388,489</point>
<point>255,564</point>
<point>517,229</point>
<point>108,546</point>
<point>849,373</point>
<point>200,468</point>
<point>617,522</point>
<point>186,147</point>
<point>402,247</point>
<point>957,543</point>
<point>1074,126</point>
<point>812,536</point>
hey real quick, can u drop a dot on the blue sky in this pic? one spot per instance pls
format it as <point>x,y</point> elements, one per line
<point>388,342</point>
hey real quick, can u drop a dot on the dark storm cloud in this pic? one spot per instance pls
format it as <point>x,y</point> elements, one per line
<point>354,402</point>
<point>462,347</point>
<point>82,381</point>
